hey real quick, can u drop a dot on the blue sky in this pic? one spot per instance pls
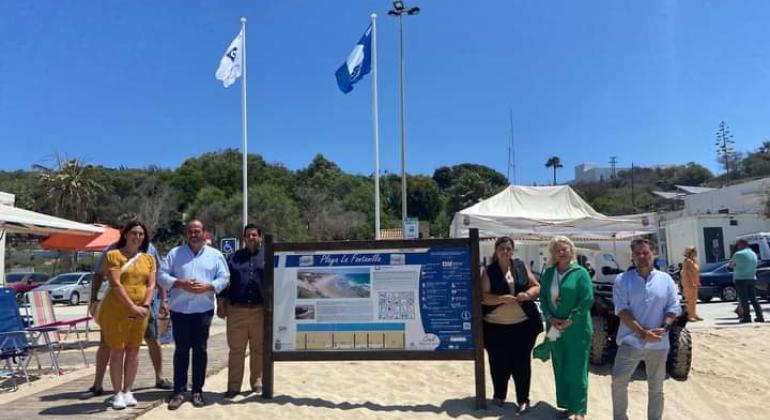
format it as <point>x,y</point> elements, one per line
<point>131,83</point>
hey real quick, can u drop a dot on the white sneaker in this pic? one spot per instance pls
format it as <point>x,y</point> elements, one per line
<point>128,397</point>
<point>119,401</point>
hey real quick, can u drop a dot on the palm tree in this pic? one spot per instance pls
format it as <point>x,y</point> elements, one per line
<point>554,162</point>
<point>70,187</point>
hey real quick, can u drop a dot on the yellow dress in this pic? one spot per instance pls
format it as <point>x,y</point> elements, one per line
<point>118,328</point>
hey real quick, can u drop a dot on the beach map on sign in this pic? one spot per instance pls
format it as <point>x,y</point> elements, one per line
<point>396,305</point>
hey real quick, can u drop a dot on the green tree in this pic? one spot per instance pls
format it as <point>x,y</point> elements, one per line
<point>758,163</point>
<point>271,208</point>
<point>726,154</point>
<point>71,188</point>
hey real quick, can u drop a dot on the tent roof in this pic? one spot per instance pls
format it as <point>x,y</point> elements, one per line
<point>16,220</point>
<point>693,190</point>
<point>70,242</point>
<point>542,212</point>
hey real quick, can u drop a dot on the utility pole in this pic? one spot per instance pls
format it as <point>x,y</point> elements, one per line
<point>399,10</point>
<point>511,152</point>
<point>633,196</point>
<point>613,164</point>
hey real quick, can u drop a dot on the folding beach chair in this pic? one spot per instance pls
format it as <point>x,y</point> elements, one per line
<point>16,348</point>
<point>41,312</point>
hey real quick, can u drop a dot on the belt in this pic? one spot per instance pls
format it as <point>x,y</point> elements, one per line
<point>245,305</point>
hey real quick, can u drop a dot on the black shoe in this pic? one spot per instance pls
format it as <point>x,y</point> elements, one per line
<point>96,392</point>
<point>759,319</point>
<point>231,394</point>
<point>745,321</point>
<point>197,399</point>
<point>523,408</point>
<point>175,401</point>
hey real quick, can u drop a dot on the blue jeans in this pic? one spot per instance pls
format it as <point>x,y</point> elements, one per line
<point>191,332</point>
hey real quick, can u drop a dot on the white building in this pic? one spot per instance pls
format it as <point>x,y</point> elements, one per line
<point>748,197</point>
<point>587,172</point>
<point>712,218</point>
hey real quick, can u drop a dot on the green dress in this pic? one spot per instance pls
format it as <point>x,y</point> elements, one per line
<point>569,354</point>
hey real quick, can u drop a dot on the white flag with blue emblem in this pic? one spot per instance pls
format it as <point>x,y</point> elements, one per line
<point>231,64</point>
<point>358,64</point>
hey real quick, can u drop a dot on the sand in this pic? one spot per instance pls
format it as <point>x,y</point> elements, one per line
<point>730,379</point>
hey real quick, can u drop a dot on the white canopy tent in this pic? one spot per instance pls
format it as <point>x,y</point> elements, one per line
<point>16,220</point>
<point>538,213</point>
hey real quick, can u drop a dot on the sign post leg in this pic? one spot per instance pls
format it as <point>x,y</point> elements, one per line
<point>267,344</point>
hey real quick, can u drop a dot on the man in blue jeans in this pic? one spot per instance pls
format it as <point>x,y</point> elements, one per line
<point>193,274</point>
<point>647,304</point>
<point>744,265</point>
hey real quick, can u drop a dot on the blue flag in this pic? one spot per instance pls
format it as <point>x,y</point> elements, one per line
<point>358,64</point>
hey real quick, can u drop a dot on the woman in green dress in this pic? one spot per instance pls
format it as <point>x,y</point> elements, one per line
<point>566,298</point>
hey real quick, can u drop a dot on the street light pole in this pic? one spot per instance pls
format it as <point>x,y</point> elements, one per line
<point>400,10</point>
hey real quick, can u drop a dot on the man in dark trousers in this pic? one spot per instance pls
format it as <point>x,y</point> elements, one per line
<point>242,305</point>
<point>744,265</point>
<point>193,274</point>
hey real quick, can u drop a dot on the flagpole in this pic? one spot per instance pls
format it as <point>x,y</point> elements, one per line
<point>376,128</point>
<point>245,130</point>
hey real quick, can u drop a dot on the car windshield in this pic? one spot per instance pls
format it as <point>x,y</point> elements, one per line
<point>13,278</point>
<point>64,279</point>
<point>707,268</point>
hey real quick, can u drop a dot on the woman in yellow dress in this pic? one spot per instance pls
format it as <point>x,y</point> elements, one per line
<point>124,312</point>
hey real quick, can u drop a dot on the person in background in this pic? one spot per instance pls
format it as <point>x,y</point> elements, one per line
<point>124,314</point>
<point>242,305</point>
<point>566,297</point>
<point>690,279</point>
<point>744,265</point>
<point>511,322</point>
<point>193,274</point>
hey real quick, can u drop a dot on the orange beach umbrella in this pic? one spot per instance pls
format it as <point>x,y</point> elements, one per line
<point>69,242</point>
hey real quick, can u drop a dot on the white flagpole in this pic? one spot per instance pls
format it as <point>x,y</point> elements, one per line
<point>376,128</point>
<point>245,130</point>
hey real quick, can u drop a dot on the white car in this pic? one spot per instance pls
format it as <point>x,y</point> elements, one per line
<point>69,287</point>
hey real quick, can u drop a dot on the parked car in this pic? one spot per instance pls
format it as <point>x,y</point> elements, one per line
<point>21,283</point>
<point>763,283</point>
<point>716,280</point>
<point>69,287</point>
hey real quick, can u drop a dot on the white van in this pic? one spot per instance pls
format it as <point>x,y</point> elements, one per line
<point>759,242</point>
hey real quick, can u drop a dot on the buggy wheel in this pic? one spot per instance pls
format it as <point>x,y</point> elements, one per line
<point>680,354</point>
<point>599,342</point>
